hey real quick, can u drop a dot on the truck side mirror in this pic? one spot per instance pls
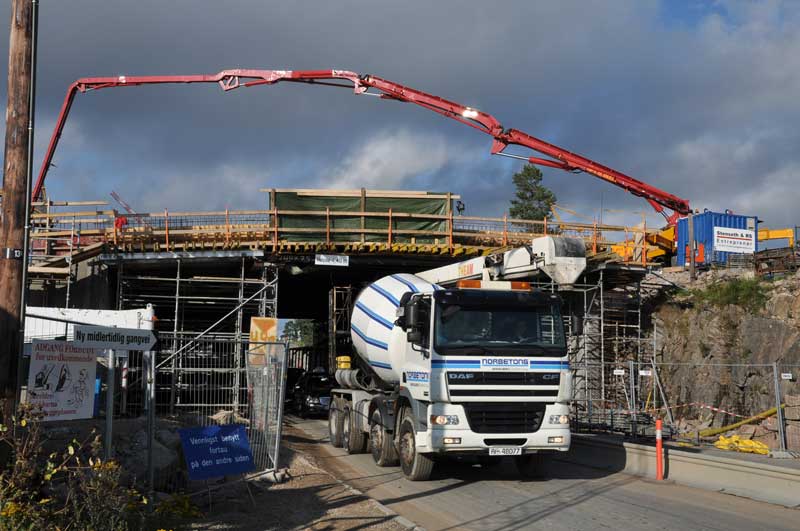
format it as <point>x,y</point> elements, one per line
<point>577,325</point>
<point>413,331</point>
<point>412,315</point>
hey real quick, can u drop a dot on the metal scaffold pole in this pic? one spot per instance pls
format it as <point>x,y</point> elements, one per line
<point>238,359</point>
<point>173,382</point>
<point>778,403</point>
<point>602,345</point>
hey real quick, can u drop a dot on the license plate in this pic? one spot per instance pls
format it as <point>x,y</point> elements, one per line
<point>505,451</point>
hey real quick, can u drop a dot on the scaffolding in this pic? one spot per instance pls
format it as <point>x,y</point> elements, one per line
<point>610,303</point>
<point>203,294</point>
<point>340,304</point>
<point>187,301</point>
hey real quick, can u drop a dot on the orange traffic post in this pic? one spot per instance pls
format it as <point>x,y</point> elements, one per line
<point>659,452</point>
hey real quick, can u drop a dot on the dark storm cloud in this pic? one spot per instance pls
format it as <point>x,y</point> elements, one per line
<point>705,108</point>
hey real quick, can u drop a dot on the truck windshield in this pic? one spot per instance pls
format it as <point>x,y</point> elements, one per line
<point>507,326</point>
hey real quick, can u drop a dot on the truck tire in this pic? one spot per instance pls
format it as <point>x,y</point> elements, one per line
<point>416,466</point>
<point>335,423</point>
<point>353,438</point>
<point>530,466</point>
<point>381,443</point>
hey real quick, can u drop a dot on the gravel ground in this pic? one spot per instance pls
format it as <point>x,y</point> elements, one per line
<point>311,499</point>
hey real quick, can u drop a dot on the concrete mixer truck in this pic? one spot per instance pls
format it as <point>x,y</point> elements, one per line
<point>466,359</point>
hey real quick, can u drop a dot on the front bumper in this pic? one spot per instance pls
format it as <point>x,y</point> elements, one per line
<point>433,440</point>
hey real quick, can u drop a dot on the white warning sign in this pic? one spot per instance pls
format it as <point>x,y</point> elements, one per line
<point>734,240</point>
<point>61,380</point>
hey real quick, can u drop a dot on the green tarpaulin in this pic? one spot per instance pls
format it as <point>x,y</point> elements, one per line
<point>292,201</point>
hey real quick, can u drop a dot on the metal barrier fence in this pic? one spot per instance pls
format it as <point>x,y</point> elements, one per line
<point>206,382</point>
<point>188,383</point>
<point>694,400</point>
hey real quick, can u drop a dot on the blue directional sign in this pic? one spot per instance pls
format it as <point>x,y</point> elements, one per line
<point>215,451</point>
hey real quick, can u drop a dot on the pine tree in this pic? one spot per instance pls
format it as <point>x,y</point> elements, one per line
<point>532,199</point>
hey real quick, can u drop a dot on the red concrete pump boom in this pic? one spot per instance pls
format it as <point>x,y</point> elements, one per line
<point>486,123</point>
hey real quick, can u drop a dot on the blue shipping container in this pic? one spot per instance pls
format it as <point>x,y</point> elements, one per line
<point>704,236</point>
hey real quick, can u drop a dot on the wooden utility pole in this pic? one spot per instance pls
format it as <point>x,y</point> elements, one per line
<point>690,227</point>
<point>14,199</point>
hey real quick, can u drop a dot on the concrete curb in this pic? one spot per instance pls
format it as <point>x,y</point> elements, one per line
<point>758,481</point>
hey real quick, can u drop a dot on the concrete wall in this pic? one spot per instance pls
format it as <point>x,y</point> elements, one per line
<point>740,475</point>
<point>91,288</point>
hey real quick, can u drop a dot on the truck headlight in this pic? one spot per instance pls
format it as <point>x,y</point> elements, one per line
<point>312,399</point>
<point>559,419</point>
<point>441,420</point>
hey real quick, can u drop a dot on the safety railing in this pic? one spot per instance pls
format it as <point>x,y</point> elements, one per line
<point>326,228</point>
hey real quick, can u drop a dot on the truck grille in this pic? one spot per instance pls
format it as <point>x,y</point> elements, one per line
<point>503,378</point>
<point>490,417</point>
<point>503,392</point>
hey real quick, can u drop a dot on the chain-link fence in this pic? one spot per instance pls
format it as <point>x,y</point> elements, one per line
<point>696,401</point>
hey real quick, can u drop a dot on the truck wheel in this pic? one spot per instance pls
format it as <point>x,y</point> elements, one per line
<point>335,423</point>
<point>530,466</point>
<point>382,446</point>
<point>353,438</point>
<point>416,466</point>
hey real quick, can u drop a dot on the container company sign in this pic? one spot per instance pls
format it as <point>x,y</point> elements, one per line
<point>734,240</point>
<point>61,380</point>
<point>215,451</point>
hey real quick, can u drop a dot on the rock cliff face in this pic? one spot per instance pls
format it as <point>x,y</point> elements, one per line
<point>719,338</point>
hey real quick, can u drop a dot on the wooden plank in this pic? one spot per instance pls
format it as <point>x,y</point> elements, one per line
<point>70,215</point>
<point>45,270</point>
<point>398,194</point>
<point>70,203</point>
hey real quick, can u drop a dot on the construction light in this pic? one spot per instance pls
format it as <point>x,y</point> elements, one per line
<point>469,113</point>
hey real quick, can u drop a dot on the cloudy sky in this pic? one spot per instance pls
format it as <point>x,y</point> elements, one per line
<point>699,98</point>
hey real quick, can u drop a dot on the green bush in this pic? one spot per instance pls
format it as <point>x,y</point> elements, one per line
<point>71,489</point>
<point>748,293</point>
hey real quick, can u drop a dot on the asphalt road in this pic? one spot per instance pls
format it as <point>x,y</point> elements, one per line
<point>571,497</point>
